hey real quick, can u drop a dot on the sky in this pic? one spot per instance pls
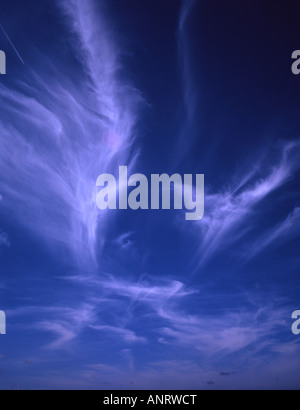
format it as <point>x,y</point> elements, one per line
<point>123,299</point>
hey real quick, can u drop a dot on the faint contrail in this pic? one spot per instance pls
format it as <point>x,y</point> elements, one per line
<point>11,43</point>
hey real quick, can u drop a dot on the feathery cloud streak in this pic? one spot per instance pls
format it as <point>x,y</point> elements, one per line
<point>228,212</point>
<point>55,140</point>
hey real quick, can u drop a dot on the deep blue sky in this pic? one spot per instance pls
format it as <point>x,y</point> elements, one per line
<point>146,299</point>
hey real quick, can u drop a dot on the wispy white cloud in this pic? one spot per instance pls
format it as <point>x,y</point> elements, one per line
<point>150,293</point>
<point>251,332</point>
<point>286,230</point>
<point>126,334</point>
<point>64,334</point>
<point>124,241</point>
<point>4,239</point>
<point>61,138</point>
<point>65,323</point>
<point>211,335</point>
<point>227,213</point>
<point>68,323</point>
<point>230,332</point>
